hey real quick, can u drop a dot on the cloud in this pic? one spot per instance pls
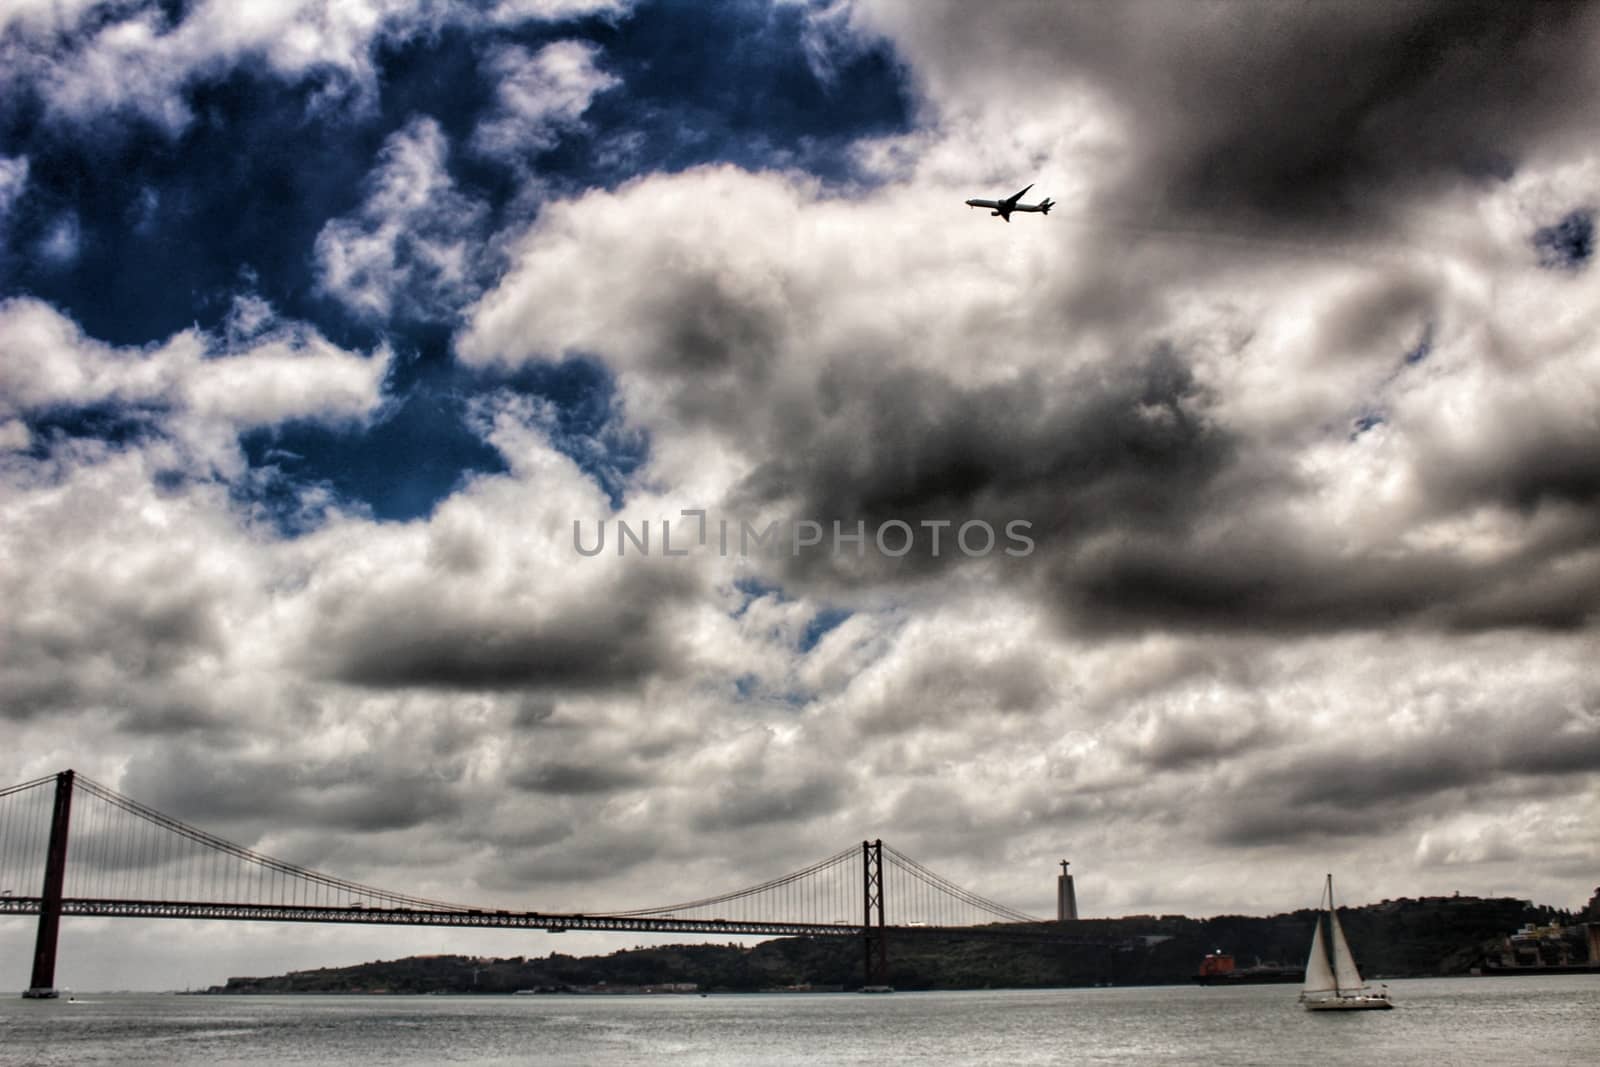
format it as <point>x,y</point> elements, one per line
<point>13,179</point>
<point>1141,448</point>
<point>203,397</point>
<point>411,249</point>
<point>1389,105</point>
<point>159,551</point>
<point>605,635</point>
<point>515,11</point>
<point>1543,752</point>
<point>86,60</point>
<point>539,97</point>
<point>61,243</point>
<point>1172,405</point>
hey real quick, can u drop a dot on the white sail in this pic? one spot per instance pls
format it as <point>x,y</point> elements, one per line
<point>1345,974</point>
<point>1319,977</point>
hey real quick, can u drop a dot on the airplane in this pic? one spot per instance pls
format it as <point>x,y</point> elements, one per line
<point>1004,208</point>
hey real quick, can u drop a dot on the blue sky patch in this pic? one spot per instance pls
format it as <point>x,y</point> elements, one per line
<point>753,589</point>
<point>110,423</point>
<point>1567,245</point>
<point>1365,421</point>
<point>730,81</point>
<point>1422,349</point>
<point>401,467</point>
<point>821,623</point>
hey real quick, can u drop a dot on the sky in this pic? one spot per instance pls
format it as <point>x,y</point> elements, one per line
<point>331,333</point>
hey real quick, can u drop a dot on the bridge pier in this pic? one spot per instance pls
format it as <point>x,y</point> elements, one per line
<point>42,985</point>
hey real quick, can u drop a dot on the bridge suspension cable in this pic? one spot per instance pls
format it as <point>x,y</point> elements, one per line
<point>828,891</point>
<point>922,896</point>
<point>124,851</point>
<point>24,830</point>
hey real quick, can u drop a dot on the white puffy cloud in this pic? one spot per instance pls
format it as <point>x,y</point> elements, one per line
<point>14,435</point>
<point>139,60</point>
<point>514,11</point>
<point>203,397</point>
<point>410,249</point>
<point>539,96</point>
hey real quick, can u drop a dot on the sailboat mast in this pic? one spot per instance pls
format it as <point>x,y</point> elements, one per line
<point>1333,959</point>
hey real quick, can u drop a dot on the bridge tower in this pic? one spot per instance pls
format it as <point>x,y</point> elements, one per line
<point>874,942</point>
<point>42,985</point>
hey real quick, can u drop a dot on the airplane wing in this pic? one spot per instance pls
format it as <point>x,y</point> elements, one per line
<point>1018,196</point>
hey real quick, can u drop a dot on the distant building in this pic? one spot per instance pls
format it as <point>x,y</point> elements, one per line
<point>1066,896</point>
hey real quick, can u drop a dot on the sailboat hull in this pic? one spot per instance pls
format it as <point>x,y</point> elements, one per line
<point>1363,1003</point>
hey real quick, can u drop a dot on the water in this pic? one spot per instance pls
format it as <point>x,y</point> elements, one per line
<point>1476,1022</point>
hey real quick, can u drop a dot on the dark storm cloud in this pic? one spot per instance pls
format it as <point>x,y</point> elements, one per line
<point>952,692</point>
<point>1252,573</point>
<point>131,650</point>
<point>1245,578</point>
<point>1306,117</point>
<point>1131,445</point>
<point>1527,460</point>
<point>205,786</point>
<point>600,652</point>
<point>1296,115</point>
<point>1324,792</point>
<point>1146,511</point>
<point>615,637</point>
<point>744,804</point>
<point>565,778</point>
<point>1149,514</point>
<point>1562,594</point>
<point>603,851</point>
<point>1251,821</point>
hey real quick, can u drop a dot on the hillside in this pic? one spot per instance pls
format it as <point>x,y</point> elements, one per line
<point>1400,938</point>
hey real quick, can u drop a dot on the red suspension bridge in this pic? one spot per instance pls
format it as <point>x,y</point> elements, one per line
<point>129,860</point>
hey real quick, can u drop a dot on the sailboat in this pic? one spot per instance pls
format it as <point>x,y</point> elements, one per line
<point>1332,981</point>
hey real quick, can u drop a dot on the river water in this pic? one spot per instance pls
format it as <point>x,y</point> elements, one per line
<point>1467,1021</point>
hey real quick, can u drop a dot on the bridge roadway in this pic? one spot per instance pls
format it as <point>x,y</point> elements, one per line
<point>550,922</point>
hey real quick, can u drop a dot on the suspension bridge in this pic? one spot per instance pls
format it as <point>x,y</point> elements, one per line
<point>129,860</point>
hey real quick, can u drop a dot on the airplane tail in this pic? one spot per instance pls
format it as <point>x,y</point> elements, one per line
<point>1046,204</point>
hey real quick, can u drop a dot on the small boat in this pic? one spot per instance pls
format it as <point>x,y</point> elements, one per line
<point>1332,981</point>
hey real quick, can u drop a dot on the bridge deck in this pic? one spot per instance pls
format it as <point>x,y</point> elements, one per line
<point>517,920</point>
